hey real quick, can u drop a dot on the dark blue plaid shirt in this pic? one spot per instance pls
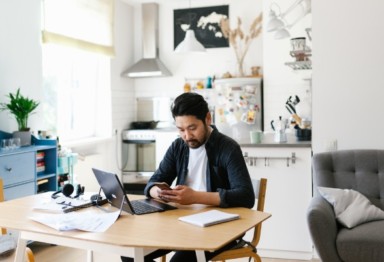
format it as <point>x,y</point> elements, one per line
<point>227,172</point>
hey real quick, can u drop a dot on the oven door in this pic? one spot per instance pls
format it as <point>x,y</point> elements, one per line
<point>139,164</point>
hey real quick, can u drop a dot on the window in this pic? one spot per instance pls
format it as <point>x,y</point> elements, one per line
<point>76,67</point>
<point>77,93</point>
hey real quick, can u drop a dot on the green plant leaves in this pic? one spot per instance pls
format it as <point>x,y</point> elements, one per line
<point>21,107</point>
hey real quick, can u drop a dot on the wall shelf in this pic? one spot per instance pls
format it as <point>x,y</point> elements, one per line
<point>300,65</point>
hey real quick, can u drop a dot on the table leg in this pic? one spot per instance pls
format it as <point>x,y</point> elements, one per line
<point>20,250</point>
<point>200,255</point>
<point>138,254</point>
<point>89,256</point>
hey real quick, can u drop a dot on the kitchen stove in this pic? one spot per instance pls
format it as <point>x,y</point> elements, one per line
<point>139,135</point>
<point>139,158</point>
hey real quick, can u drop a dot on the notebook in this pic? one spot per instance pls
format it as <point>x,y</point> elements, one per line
<point>209,218</point>
<point>115,193</point>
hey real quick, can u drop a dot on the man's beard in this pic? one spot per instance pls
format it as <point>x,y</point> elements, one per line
<point>195,143</point>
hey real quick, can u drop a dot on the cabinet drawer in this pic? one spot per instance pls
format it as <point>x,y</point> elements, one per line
<point>19,191</point>
<point>17,168</point>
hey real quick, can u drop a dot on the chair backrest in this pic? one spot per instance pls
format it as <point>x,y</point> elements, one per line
<point>260,189</point>
<point>361,170</point>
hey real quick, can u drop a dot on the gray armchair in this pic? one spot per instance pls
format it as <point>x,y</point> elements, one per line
<point>363,171</point>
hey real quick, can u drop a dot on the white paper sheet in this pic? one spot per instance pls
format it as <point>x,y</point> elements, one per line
<point>91,220</point>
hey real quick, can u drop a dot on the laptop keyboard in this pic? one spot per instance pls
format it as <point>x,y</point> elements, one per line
<point>142,208</point>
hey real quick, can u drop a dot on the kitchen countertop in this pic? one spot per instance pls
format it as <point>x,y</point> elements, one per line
<point>267,140</point>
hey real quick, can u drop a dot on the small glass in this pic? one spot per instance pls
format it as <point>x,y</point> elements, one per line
<point>10,143</point>
<point>4,144</point>
<point>17,142</point>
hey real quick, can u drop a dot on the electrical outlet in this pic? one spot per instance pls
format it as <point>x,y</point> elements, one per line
<point>331,145</point>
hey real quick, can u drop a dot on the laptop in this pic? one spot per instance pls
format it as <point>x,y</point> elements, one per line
<point>117,197</point>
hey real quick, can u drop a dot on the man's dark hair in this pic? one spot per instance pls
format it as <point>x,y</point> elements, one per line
<point>190,104</point>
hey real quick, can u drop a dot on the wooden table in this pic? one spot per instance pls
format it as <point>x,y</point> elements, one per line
<point>130,235</point>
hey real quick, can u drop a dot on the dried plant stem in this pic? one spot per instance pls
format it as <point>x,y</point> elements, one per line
<point>238,41</point>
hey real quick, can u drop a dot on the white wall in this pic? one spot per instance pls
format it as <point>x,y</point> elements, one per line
<point>21,66</point>
<point>348,82</point>
<point>20,55</point>
<point>216,61</point>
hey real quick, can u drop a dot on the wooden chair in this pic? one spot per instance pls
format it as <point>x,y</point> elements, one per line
<point>248,249</point>
<point>28,252</point>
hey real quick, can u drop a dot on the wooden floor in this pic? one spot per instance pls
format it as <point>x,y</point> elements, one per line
<point>48,253</point>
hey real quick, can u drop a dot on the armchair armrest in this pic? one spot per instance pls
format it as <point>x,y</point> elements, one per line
<point>323,228</point>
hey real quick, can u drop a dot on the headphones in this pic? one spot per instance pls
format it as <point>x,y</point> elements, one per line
<point>67,191</point>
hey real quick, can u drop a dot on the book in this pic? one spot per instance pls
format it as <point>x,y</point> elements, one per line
<point>209,218</point>
<point>41,181</point>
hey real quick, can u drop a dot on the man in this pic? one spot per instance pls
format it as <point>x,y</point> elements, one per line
<point>208,166</point>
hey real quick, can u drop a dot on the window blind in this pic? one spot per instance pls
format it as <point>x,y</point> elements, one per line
<point>83,24</point>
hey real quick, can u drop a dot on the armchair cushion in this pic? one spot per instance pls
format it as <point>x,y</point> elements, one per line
<point>361,243</point>
<point>351,207</point>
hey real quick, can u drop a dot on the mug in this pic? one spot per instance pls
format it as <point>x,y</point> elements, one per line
<point>298,44</point>
<point>256,136</point>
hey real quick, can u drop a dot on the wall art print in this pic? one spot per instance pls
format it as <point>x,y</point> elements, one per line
<point>205,21</point>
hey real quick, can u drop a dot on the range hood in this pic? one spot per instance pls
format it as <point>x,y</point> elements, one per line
<point>150,65</point>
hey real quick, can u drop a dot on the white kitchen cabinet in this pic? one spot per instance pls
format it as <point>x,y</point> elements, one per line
<point>289,191</point>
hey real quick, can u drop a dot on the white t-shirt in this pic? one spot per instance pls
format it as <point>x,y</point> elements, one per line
<point>197,169</point>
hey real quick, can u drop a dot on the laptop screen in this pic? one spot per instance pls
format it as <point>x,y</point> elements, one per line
<point>113,190</point>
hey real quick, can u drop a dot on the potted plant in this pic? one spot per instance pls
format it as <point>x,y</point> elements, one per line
<point>21,107</point>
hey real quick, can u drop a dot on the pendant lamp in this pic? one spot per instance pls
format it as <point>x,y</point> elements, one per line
<point>190,43</point>
<point>281,23</point>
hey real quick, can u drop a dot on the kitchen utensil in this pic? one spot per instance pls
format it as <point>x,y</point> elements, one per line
<point>279,127</point>
<point>290,105</point>
<point>280,124</point>
<point>280,136</point>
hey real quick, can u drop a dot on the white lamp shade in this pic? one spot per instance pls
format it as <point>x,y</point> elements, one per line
<point>190,43</point>
<point>274,22</point>
<point>282,33</point>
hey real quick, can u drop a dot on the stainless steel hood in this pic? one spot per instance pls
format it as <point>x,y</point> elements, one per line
<point>150,65</point>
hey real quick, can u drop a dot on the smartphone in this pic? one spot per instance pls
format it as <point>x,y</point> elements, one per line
<point>163,186</point>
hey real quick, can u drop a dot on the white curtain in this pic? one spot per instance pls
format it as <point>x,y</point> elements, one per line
<point>83,24</point>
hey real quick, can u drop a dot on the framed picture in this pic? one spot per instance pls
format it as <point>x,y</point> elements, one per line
<point>205,22</point>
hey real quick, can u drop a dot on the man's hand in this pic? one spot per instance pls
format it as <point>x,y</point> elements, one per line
<point>156,190</point>
<point>180,194</point>
<point>185,195</point>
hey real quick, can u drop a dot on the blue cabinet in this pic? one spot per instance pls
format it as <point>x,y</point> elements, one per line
<point>15,168</point>
<point>29,170</point>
